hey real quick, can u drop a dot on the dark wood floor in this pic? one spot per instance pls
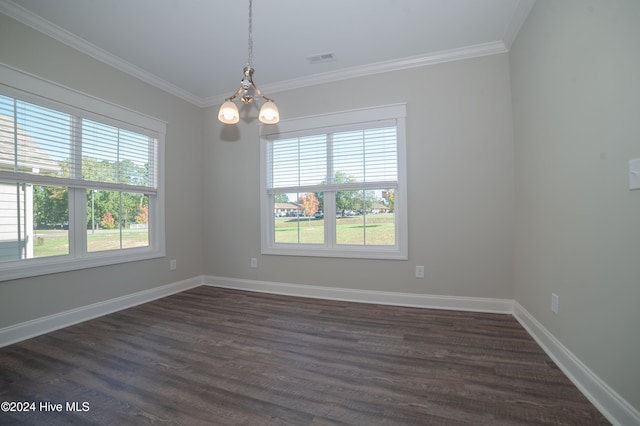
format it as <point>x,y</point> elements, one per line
<point>216,356</point>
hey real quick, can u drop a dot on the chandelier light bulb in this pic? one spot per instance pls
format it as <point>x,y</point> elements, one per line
<point>228,113</point>
<point>269,113</point>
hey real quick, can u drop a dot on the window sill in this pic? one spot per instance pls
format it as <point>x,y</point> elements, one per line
<point>55,264</point>
<point>348,253</point>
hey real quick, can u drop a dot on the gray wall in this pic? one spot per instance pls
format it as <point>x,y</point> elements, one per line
<point>575,70</point>
<point>460,184</point>
<point>26,299</point>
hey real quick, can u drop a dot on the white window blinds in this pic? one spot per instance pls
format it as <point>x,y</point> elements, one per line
<point>56,145</point>
<point>364,155</point>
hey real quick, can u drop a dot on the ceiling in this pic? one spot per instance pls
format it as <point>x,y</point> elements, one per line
<point>196,49</point>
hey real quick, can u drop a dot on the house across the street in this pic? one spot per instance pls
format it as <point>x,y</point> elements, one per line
<point>16,198</point>
<point>287,209</point>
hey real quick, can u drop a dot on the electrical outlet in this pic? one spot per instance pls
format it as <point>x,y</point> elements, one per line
<point>634,174</point>
<point>555,301</point>
<point>420,271</point>
<point>172,265</point>
<point>254,262</point>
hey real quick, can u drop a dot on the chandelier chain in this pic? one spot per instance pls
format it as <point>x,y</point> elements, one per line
<point>248,91</point>
<point>250,52</point>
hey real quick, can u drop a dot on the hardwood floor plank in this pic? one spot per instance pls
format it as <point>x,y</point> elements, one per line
<point>218,356</point>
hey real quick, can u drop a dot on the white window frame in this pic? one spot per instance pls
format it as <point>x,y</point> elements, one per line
<point>35,89</point>
<point>399,251</point>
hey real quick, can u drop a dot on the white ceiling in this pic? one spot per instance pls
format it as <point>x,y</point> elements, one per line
<point>196,49</point>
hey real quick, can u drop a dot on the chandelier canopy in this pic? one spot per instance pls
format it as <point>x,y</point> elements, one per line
<point>248,91</point>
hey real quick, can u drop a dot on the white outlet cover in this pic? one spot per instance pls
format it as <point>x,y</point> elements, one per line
<point>634,174</point>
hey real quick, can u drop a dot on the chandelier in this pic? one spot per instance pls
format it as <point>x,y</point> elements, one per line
<point>248,91</point>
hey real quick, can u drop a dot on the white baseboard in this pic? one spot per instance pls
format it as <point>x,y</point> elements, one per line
<point>615,408</point>
<point>36,327</point>
<point>474,304</point>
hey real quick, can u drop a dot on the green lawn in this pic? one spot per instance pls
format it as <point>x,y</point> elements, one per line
<point>56,242</point>
<point>369,229</point>
<point>51,243</point>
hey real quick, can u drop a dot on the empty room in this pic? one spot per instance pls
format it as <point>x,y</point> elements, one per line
<point>268,212</point>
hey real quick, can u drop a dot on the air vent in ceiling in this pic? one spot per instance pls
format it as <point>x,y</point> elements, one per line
<point>324,57</point>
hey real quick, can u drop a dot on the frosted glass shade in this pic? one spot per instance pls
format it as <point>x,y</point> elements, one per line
<point>228,113</point>
<point>269,113</point>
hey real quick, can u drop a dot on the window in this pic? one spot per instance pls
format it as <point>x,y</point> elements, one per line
<point>334,185</point>
<point>80,180</point>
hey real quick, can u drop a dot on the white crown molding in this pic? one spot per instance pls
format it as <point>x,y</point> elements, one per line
<point>468,52</point>
<point>40,24</point>
<point>516,22</point>
<point>615,408</point>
